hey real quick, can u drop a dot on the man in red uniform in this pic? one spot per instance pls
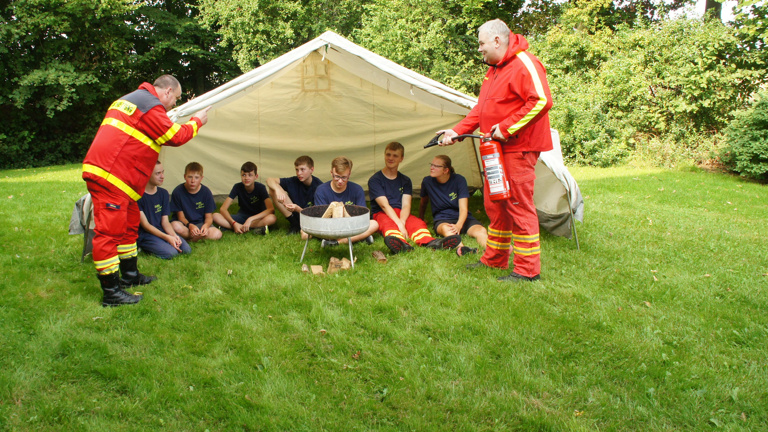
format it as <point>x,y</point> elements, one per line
<point>512,106</point>
<point>116,170</point>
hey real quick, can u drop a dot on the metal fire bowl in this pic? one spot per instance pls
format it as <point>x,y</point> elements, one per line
<point>313,223</point>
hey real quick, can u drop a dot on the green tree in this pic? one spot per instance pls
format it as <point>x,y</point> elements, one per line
<point>170,39</point>
<point>676,81</point>
<point>59,61</point>
<point>258,31</point>
<point>751,26</point>
<point>747,141</point>
<point>64,62</point>
<point>594,15</point>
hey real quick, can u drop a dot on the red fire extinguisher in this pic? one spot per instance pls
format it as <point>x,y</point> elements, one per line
<point>495,172</point>
<point>493,165</point>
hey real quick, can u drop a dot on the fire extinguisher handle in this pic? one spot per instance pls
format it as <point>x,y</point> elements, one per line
<point>436,139</point>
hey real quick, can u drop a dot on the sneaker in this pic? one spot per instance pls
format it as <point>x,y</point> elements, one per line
<point>397,245</point>
<point>514,278</point>
<point>476,265</point>
<point>369,239</point>
<point>259,231</point>
<point>328,243</point>
<point>464,250</point>
<point>449,242</point>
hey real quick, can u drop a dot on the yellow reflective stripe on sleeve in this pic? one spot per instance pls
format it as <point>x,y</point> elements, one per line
<point>526,238</point>
<point>112,179</point>
<point>498,245</point>
<point>132,132</point>
<point>522,55</point>
<point>194,127</point>
<point>170,134</point>
<point>527,251</point>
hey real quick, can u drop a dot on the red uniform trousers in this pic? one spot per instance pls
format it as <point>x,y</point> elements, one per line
<point>117,219</point>
<point>514,222</point>
<point>417,228</point>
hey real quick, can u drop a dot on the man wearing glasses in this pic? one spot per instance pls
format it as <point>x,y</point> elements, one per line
<point>391,192</point>
<point>342,190</point>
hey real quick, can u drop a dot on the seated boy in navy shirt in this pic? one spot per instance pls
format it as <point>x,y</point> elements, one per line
<point>156,235</point>
<point>256,210</point>
<point>342,190</point>
<point>193,206</point>
<point>292,194</point>
<point>391,192</point>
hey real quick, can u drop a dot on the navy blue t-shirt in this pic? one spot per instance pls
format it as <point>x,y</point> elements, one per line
<point>194,206</point>
<point>445,197</point>
<point>300,194</point>
<point>154,208</point>
<point>352,195</point>
<point>250,203</point>
<point>379,185</point>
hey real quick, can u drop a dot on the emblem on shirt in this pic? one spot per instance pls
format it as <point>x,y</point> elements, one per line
<point>254,199</point>
<point>453,196</point>
<point>199,205</point>
<point>123,106</point>
<point>158,208</point>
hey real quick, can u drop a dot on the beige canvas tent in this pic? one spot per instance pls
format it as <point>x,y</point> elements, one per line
<point>327,98</point>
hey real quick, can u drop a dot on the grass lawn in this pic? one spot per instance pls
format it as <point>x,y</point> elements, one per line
<point>659,322</point>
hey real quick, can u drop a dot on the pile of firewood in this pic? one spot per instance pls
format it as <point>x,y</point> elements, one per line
<point>336,209</point>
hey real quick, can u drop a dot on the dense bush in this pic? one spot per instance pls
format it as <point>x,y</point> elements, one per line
<point>676,81</point>
<point>747,141</point>
<point>64,62</point>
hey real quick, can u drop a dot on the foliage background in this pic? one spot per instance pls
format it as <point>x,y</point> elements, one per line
<point>631,80</point>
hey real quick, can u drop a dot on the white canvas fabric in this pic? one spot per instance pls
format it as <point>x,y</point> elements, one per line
<point>327,98</point>
<point>556,194</point>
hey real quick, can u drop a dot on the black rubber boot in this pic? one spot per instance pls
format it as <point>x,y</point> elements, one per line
<point>130,275</point>
<point>516,277</point>
<point>113,294</point>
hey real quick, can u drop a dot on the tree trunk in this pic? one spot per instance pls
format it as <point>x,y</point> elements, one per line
<point>714,9</point>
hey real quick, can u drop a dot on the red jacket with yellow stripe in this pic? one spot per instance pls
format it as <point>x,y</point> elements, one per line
<point>515,95</point>
<point>128,142</point>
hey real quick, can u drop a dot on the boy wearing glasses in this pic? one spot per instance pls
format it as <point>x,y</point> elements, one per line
<point>391,193</point>
<point>342,190</point>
